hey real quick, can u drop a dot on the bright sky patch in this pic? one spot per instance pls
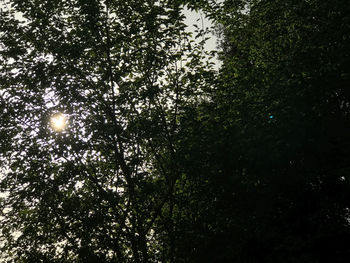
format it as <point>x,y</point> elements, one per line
<point>58,122</point>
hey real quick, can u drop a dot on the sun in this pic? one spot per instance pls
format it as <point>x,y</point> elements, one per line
<point>58,122</point>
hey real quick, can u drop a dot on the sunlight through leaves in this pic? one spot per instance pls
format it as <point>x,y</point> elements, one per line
<point>58,122</point>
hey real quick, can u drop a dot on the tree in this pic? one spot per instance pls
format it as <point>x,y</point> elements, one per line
<point>284,103</point>
<point>276,154</point>
<point>122,73</point>
<point>163,160</point>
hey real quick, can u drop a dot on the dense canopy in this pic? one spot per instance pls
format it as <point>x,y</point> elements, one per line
<point>120,142</point>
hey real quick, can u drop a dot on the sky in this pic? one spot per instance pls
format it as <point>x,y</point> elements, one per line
<point>200,19</point>
<point>202,22</point>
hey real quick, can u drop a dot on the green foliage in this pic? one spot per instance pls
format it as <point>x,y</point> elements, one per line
<point>119,71</point>
<point>267,159</point>
<point>163,159</point>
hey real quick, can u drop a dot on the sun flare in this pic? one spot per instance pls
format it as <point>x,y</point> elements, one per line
<point>58,122</point>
